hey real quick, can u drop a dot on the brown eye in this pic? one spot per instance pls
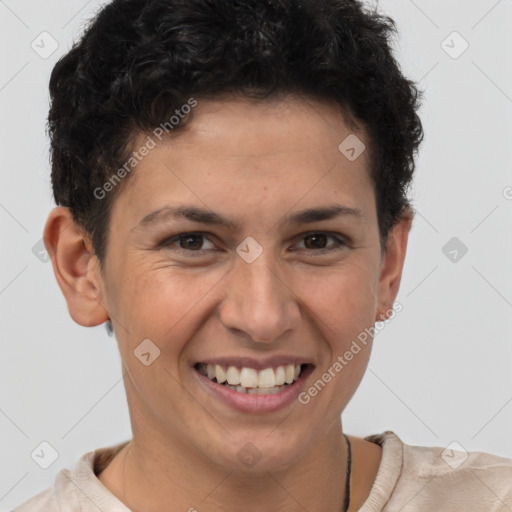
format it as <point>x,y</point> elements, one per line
<point>187,243</point>
<point>317,242</point>
<point>191,242</point>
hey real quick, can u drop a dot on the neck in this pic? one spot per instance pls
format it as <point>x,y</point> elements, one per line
<point>171,473</point>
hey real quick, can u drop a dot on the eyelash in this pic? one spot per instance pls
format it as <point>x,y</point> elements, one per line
<point>340,243</point>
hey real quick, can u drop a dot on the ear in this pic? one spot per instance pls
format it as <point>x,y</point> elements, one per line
<point>76,268</point>
<point>392,265</point>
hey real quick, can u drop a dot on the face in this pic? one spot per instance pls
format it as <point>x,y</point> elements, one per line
<point>245,278</point>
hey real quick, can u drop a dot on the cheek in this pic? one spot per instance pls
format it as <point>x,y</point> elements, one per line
<point>163,305</point>
<point>342,298</point>
<point>343,307</point>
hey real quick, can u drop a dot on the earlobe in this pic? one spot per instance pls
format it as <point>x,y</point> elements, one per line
<point>76,268</point>
<point>392,266</point>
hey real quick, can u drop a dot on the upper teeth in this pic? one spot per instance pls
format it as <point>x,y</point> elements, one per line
<point>251,378</point>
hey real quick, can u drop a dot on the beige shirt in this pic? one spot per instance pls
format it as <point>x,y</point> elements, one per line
<point>409,479</point>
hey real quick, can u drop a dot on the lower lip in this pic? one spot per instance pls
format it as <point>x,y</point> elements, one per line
<point>257,404</point>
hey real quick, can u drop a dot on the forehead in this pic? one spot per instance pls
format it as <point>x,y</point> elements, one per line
<point>237,153</point>
<point>250,128</point>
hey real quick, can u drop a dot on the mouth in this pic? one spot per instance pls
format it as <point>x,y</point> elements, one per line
<point>252,381</point>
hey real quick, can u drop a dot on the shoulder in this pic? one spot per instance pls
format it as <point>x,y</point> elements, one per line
<point>453,462</point>
<point>63,495</point>
<point>78,489</point>
<point>45,501</point>
<point>446,478</point>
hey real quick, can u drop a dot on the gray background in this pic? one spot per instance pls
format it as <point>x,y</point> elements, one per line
<point>439,372</point>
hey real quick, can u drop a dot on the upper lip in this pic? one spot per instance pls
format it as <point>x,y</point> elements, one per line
<point>257,364</point>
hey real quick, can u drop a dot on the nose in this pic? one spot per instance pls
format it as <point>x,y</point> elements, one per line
<point>259,301</point>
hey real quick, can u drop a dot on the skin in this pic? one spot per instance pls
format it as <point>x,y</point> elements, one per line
<point>253,163</point>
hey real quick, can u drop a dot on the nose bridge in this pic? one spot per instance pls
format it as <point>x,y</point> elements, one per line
<point>257,300</point>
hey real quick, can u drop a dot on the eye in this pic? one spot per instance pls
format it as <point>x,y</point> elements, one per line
<point>187,242</point>
<point>193,243</point>
<point>316,240</point>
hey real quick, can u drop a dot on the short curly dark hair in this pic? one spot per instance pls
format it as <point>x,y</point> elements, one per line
<point>140,60</point>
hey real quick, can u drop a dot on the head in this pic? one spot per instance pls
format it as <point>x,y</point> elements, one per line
<point>221,121</point>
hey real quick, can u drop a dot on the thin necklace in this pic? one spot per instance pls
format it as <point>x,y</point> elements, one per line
<point>347,480</point>
<point>349,471</point>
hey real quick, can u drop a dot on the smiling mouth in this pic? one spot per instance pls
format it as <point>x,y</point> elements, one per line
<point>250,381</point>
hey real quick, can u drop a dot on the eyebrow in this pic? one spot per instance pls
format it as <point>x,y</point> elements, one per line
<point>208,217</point>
